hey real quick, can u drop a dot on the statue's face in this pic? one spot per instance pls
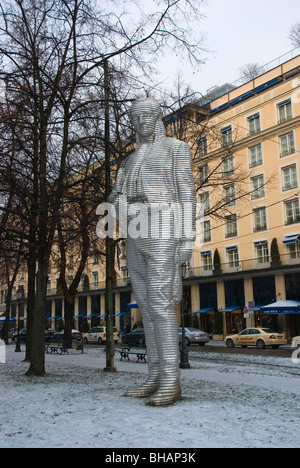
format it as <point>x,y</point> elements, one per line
<point>144,121</point>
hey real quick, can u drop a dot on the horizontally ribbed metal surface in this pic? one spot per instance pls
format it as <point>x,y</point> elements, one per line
<point>157,183</point>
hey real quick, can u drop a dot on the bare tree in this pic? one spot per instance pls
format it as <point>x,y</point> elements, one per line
<point>295,35</point>
<point>53,55</point>
<point>250,71</point>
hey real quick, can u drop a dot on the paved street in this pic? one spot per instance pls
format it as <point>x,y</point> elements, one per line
<point>220,347</point>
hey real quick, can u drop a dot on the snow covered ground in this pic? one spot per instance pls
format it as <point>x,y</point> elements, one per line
<point>228,401</point>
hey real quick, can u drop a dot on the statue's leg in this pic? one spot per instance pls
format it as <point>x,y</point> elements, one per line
<point>138,274</point>
<point>169,391</point>
<point>161,274</point>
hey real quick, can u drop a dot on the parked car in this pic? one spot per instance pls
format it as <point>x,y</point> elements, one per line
<point>193,336</point>
<point>22,335</point>
<point>49,334</point>
<point>260,337</point>
<point>98,335</point>
<point>296,342</point>
<point>76,335</point>
<point>136,336</point>
<point>11,333</point>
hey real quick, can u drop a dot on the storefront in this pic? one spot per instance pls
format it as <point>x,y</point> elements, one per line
<point>203,319</point>
<point>234,319</point>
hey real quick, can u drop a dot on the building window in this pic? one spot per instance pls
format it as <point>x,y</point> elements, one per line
<point>290,179</point>
<point>96,258</point>
<point>70,279</point>
<point>287,143</point>
<point>256,158</point>
<point>207,231</point>
<point>226,134</point>
<point>124,273</point>
<point>285,111</point>
<point>207,261</point>
<point>292,209</point>
<point>96,278</point>
<point>258,187</point>
<point>228,167</point>
<point>294,250</point>
<point>202,147</point>
<point>230,195</point>
<point>71,261</point>
<point>204,174</point>
<point>262,252</point>
<point>231,225</point>
<point>254,124</point>
<point>205,202</point>
<point>260,219</point>
<point>233,257</point>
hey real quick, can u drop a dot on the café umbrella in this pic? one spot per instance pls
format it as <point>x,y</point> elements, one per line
<point>282,307</point>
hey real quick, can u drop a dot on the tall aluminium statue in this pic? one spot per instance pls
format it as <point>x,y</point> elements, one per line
<point>157,177</point>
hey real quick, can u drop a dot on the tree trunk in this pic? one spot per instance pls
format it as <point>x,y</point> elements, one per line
<point>69,314</point>
<point>31,266</point>
<point>37,364</point>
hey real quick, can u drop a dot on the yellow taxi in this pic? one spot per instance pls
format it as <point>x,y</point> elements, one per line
<point>260,337</point>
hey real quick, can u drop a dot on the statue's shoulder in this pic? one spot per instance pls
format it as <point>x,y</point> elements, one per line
<point>177,145</point>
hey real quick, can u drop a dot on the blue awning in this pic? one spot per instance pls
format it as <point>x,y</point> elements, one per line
<point>230,249</point>
<point>291,239</point>
<point>78,316</point>
<point>226,129</point>
<point>121,314</point>
<point>232,309</point>
<point>258,244</point>
<point>133,305</point>
<point>93,315</point>
<point>11,319</point>
<point>205,310</point>
<point>284,103</point>
<point>255,116</point>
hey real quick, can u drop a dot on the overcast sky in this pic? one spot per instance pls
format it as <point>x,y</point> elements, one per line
<point>237,32</point>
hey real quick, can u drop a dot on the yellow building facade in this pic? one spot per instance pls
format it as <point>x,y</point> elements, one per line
<point>251,153</point>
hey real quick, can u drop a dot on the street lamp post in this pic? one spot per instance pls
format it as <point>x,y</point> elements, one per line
<point>184,355</point>
<point>19,298</point>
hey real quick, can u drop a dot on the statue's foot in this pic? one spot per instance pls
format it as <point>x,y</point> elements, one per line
<point>165,396</point>
<point>144,391</point>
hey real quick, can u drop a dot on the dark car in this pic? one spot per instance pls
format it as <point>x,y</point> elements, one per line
<point>136,337</point>
<point>22,335</point>
<point>76,335</point>
<point>49,334</point>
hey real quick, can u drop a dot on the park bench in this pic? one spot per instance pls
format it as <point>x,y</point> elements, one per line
<point>57,347</point>
<point>140,354</point>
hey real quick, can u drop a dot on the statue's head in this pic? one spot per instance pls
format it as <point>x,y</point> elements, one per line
<point>145,114</point>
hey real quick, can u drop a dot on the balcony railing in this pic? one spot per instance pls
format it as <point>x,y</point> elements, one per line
<point>285,261</point>
<point>254,264</point>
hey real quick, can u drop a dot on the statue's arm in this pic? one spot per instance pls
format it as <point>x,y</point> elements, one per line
<point>118,188</point>
<point>187,199</point>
